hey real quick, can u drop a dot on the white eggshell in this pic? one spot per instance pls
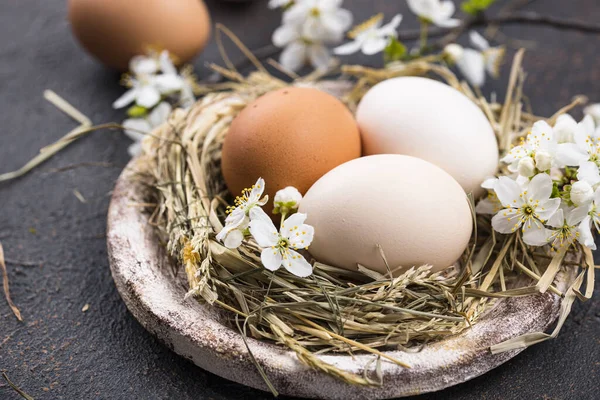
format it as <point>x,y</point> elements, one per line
<point>414,210</point>
<point>428,119</point>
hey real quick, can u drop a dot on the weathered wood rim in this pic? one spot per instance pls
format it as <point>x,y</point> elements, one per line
<point>154,294</point>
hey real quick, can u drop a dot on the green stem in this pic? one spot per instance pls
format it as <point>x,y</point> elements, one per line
<point>283,215</point>
<point>424,32</point>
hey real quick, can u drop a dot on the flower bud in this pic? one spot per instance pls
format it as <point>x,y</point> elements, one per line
<point>453,52</point>
<point>543,160</point>
<point>287,200</point>
<point>526,167</point>
<point>581,193</point>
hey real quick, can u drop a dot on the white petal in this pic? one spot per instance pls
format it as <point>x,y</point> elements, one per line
<point>295,263</point>
<point>374,46</point>
<point>135,149</point>
<point>536,235</point>
<point>264,232</point>
<point>166,65</point>
<point>293,57</point>
<point>136,128</point>
<point>489,183</point>
<point>237,218</point>
<point>257,213</point>
<point>234,239</point>
<point>586,237</point>
<point>558,219</point>
<point>478,41</point>
<point>577,215</point>
<point>597,195</point>
<point>271,259</point>
<point>292,224</point>
<point>142,65</point>
<point>516,153</point>
<point>126,99</point>
<point>508,191</point>
<point>506,221</point>
<point>319,56</point>
<point>570,154</point>
<point>447,23</point>
<point>168,83</point>
<point>147,96</point>
<point>593,110</point>
<point>546,209</point>
<point>588,171</point>
<point>389,29</point>
<point>338,21</point>
<point>257,191</point>
<point>284,35</point>
<point>348,48</point>
<point>472,66</point>
<point>159,114</point>
<point>564,128</point>
<point>540,187</point>
<point>302,237</point>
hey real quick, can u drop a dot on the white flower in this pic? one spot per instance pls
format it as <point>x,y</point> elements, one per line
<point>539,144</point>
<point>287,200</point>
<point>298,50</point>
<point>371,38</point>
<point>247,208</point>
<point>566,229</point>
<point>528,207</point>
<point>279,248</point>
<point>148,86</point>
<point>138,128</point>
<point>586,146</point>
<point>581,193</point>
<point>437,12</point>
<point>473,64</point>
<point>593,110</point>
<point>565,128</point>
<point>319,20</point>
<point>491,204</point>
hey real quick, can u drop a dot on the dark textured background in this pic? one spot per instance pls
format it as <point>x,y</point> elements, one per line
<point>55,245</point>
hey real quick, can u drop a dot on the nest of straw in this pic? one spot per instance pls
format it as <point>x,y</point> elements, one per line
<point>336,310</point>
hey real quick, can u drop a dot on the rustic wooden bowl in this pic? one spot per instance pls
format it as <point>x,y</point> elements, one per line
<point>154,290</point>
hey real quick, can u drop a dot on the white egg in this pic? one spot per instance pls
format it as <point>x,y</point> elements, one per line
<point>412,209</point>
<point>428,119</point>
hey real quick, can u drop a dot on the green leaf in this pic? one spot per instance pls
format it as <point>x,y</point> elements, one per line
<point>475,7</point>
<point>137,111</point>
<point>394,51</point>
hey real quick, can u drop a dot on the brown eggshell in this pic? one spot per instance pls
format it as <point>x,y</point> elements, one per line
<point>289,137</point>
<point>114,31</point>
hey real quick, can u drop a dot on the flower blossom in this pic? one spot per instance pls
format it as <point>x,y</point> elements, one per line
<point>308,27</point>
<point>538,149</point>
<point>527,207</point>
<point>593,110</point>
<point>247,208</point>
<point>287,200</point>
<point>473,64</point>
<point>370,37</point>
<point>592,219</point>
<point>437,12</point>
<point>279,248</point>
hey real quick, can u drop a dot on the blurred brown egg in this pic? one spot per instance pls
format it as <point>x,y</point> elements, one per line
<point>289,137</point>
<point>114,31</point>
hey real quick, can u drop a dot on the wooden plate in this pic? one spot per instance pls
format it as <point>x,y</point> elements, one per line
<point>154,293</point>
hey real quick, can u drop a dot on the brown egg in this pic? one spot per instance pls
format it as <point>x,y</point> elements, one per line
<point>114,31</point>
<point>289,137</point>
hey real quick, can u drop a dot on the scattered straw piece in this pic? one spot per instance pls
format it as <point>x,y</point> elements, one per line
<point>16,388</point>
<point>12,306</point>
